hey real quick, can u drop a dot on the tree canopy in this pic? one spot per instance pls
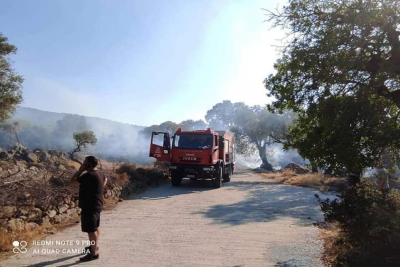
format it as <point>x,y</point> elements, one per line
<point>82,140</point>
<point>340,71</point>
<point>10,82</point>
<point>254,127</point>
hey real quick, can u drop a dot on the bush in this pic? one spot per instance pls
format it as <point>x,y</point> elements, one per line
<point>144,176</point>
<point>370,225</point>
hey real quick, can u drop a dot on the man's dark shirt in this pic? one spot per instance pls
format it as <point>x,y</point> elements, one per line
<point>91,190</point>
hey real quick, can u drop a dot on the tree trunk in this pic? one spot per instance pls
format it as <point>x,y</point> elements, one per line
<point>314,168</point>
<point>263,155</point>
<point>71,156</point>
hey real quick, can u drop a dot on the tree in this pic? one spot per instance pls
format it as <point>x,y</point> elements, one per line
<point>342,55</point>
<point>255,128</point>
<point>345,134</point>
<point>10,82</point>
<point>82,141</point>
<point>220,117</point>
<point>11,128</point>
<point>167,126</point>
<point>190,125</point>
<point>260,128</point>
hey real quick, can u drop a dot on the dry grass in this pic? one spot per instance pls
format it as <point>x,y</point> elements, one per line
<point>329,234</point>
<point>6,238</point>
<point>314,180</point>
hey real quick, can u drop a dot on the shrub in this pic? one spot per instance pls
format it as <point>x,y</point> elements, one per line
<point>370,225</point>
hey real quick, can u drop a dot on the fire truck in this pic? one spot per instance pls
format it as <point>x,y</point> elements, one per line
<point>197,155</point>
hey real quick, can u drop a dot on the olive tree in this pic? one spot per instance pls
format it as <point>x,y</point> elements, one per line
<point>339,71</point>
<point>10,81</point>
<point>82,140</point>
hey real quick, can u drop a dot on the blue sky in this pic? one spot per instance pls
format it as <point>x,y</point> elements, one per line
<point>141,62</point>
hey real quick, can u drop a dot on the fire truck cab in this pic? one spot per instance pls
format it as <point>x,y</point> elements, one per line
<point>198,155</point>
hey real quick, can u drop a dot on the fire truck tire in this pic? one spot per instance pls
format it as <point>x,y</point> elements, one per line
<point>176,179</point>
<point>217,182</point>
<point>227,176</point>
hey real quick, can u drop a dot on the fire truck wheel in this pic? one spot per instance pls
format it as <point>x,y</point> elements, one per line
<point>217,182</point>
<point>227,176</point>
<point>176,179</point>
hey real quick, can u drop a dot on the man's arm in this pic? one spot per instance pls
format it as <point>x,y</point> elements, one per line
<point>78,174</point>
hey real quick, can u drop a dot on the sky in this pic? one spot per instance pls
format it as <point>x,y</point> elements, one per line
<point>138,61</point>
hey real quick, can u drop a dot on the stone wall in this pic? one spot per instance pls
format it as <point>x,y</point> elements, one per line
<point>34,188</point>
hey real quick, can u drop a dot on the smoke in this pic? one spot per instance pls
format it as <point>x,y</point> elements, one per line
<point>276,155</point>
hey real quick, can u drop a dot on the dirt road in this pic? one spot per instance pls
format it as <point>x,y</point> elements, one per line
<point>250,221</point>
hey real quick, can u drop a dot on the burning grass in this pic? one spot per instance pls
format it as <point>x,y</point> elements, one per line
<point>314,180</point>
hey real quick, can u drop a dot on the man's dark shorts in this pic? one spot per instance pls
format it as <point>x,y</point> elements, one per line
<point>90,220</point>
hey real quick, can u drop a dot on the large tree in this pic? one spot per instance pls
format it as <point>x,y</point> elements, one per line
<point>340,70</point>
<point>254,127</point>
<point>10,82</point>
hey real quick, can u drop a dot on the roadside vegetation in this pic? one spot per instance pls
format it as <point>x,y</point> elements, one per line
<point>318,181</point>
<point>339,72</point>
<point>367,226</point>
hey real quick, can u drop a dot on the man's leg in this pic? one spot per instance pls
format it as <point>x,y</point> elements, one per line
<point>93,238</point>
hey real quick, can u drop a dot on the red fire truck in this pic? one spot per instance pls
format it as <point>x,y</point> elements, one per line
<point>198,155</point>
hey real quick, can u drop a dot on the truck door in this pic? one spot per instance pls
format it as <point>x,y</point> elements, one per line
<point>160,146</point>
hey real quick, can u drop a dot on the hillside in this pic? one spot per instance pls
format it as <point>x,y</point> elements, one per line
<point>49,119</point>
<point>51,130</point>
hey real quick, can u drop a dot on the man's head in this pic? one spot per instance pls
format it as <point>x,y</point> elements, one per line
<point>91,162</point>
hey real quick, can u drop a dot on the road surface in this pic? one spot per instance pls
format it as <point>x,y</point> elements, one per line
<point>250,221</point>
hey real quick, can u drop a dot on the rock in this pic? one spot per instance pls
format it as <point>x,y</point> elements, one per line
<point>15,225</point>
<point>72,213</point>
<point>62,208</point>
<point>53,153</point>
<point>31,157</point>
<point>72,204</point>
<point>21,164</point>
<point>31,226</point>
<point>120,200</point>
<point>60,218</point>
<point>62,167</point>
<point>51,213</point>
<point>4,155</point>
<point>67,199</point>
<point>107,194</point>
<point>45,221</point>
<point>3,230</point>
<point>34,215</point>
<point>42,156</point>
<point>297,168</point>
<point>33,168</point>
<point>7,212</point>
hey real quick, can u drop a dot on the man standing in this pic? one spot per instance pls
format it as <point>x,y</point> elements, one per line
<point>91,201</point>
<point>382,181</point>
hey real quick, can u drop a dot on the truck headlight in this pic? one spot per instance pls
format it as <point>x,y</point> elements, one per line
<point>173,167</point>
<point>208,168</point>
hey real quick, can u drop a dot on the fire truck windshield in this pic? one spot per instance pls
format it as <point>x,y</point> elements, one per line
<point>190,141</point>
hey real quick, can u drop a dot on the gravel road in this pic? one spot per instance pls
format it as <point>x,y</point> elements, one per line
<point>250,221</point>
